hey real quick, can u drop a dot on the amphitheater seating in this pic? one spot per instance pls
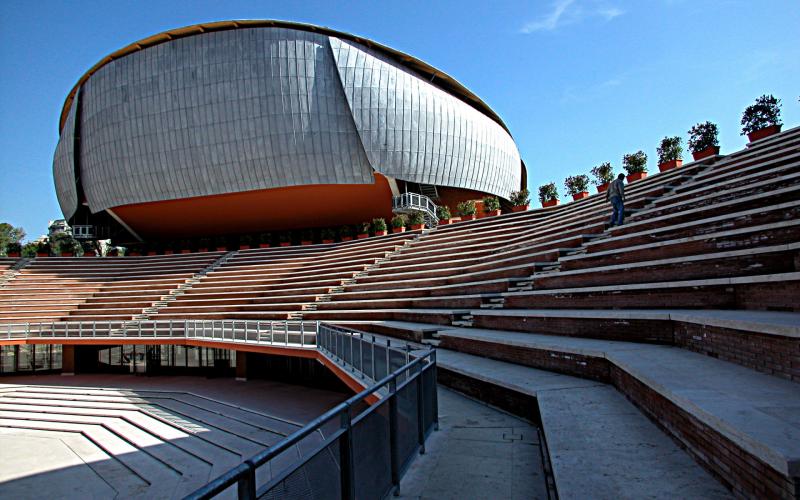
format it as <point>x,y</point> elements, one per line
<point>91,289</point>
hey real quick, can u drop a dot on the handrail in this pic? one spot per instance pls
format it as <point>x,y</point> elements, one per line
<point>244,475</point>
<point>413,201</point>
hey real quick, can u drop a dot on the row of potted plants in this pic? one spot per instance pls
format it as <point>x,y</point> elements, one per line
<point>759,120</point>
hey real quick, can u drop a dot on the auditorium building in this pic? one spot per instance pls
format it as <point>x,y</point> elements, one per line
<point>244,126</point>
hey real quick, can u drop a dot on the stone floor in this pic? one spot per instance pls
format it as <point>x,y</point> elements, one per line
<point>478,452</point>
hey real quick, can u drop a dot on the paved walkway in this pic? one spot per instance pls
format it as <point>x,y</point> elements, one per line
<point>479,452</point>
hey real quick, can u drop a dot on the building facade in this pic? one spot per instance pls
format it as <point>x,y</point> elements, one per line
<point>255,125</point>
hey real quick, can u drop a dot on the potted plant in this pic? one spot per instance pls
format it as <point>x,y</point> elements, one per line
<point>416,220</point>
<point>88,249</point>
<point>577,186</point>
<point>264,240</point>
<point>444,215</point>
<point>670,153</point>
<point>186,246</point>
<point>284,240</point>
<point>245,242</point>
<point>221,244</point>
<point>548,195</point>
<point>603,175</point>
<point>306,237</point>
<point>328,235</point>
<point>203,244</point>
<point>168,246</point>
<point>14,249</point>
<point>398,223</point>
<point>703,141</point>
<point>380,226</point>
<point>763,118</point>
<point>114,251</point>
<point>346,233</point>
<point>66,247</point>
<point>466,209</point>
<point>363,230</point>
<point>636,165</point>
<point>29,250</point>
<point>520,200</point>
<point>491,206</point>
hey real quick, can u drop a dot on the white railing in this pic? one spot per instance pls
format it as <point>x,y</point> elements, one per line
<point>274,333</point>
<point>409,202</point>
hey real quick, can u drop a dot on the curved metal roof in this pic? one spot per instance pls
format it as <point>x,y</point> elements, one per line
<point>442,80</point>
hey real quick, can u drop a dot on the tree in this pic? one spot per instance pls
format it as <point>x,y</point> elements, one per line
<point>9,234</point>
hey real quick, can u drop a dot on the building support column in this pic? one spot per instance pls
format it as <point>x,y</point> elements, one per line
<point>68,360</point>
<point>241,366</point>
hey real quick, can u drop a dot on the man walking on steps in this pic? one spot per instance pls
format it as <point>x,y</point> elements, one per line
<point>616,195</point>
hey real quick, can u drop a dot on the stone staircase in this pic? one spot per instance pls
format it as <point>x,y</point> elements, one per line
<point>14,270</point>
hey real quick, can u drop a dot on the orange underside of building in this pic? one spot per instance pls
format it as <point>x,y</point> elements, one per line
<point>296,207</point>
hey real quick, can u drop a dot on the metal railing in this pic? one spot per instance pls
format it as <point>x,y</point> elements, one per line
<point>300,334</point>
<point>409,202</point>
<point>364,447</point>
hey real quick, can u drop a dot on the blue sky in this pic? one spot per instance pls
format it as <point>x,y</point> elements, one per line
<point>578,82</point>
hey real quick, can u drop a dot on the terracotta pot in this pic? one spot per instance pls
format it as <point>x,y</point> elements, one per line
<point>132,254</point>
<point>764,132</point>
<point>362,236</point>
<point>380,233</point>
<point>549,203</point>
<point>306,242</point>
<point>202,249</point>
<point>13,254</point>
<point>263,245</point>
<point>705,153</point>
<point>327,242</point>
<point>67,254</point>
<point>520,208</point>
<point>444,222</point>
<point>636,177</point>
<point>167,252</point>
<point>286,244</point>
<point>151,252</point>
<point>91,253</point>
<point>669,165</point>
<point>491,213</point>
<point>601,188</point>
<point>222,249</point>
<point>244,247</point>
<point>186,250</point>
<point>417,227</point>
<point>580,196</point>
<point>453,220</point>
<point>468,217</point>
<point>42,254</point>
<point>347,238</point>
<point>398,230</point>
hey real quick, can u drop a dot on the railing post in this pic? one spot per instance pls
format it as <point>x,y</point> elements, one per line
<point>361,355</point>
<point>346,457</point>
<point>420,413</point>
<point>258,331</point>
<point>318,333</point>
<point>373,358</point>
<point>246,486</point>
<point>393,451</point>
<point>302,332</point>
<point>388,358</point>
<point>286,332</point>
<point>435,398</point>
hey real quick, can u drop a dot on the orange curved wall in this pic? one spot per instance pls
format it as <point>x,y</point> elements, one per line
<point>296,207</point>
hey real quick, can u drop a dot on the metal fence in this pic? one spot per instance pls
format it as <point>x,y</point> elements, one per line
<point>273,333</point>
<point>408,202</point>
<point>360,448</point>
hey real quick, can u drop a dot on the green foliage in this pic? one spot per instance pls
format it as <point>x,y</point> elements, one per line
<point>88,246</point>
<point>443,212</point>
<point>9,234</point>
<point>63,242</point>
<point>765,112</point>
<point>246,240</point>
<point>548,192</point>
<point>328,234</point>
<point>670,149</point>
<point>13,247</point>
<point>345,231</point>
<point>364,228</point>
<point>284,238</point>
<point>635,163</point>
<point>466,208</point>
<point>43,247</point>
<point>379,224</point>
<point>416,218</point>
<point>576,184</point>
<point>521,197</point>
<point>203,243</point>
<point>399,221</point>
<point>491,203</point>
<point>307,235</point>
<point>30,249</point>
<point>603,174</point>
<point>265,238</point>
<point>703,136</point>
